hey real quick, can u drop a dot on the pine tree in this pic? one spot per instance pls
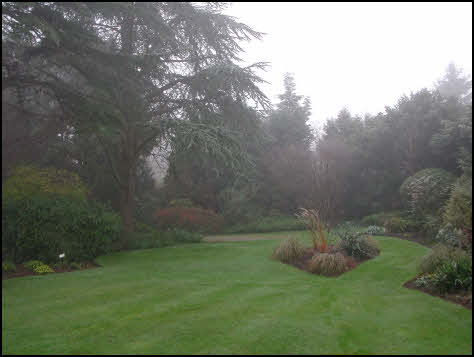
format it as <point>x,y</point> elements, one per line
<point>132,74</point>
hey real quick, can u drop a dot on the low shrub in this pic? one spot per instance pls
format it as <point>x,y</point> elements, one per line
<point>189,218</point>
<point>356,244</point>
<point>32,264</point>
<point>328,264</point>
<point>61,265</point>
<point>378,219</point>
<point>8,266</point>
<point>268,224</point>
<point>38,267</point>
<point>44,226</point>
<point>147,237</point>
<point>396,225</point>
<point>75,266</point>
<point>43,269</point>
<point>454,275</point>
<point>375,230</point>
<point>439,255</point>
<point>394,222</point>
<point>424,281</point>
<point>289,251</point>
<point>431,224</point>
<point>458,209</point>
<point>449,236</point>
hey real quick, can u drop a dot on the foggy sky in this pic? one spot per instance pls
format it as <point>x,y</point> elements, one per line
<point>360,55</point>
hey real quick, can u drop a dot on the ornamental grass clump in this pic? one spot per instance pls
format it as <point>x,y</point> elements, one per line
<point>328,264</point>
<point>315,224</point>
<point>289,251</point>
<point>369,247</point>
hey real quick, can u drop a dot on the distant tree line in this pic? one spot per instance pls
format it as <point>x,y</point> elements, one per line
<point>95,88</point>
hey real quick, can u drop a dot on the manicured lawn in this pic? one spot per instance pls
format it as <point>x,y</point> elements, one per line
<point>230,298</point>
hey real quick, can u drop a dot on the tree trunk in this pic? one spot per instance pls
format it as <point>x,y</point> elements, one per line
<point>128,159</point>
<point>127,192</point>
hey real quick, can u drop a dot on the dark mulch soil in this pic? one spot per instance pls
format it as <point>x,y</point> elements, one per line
<point>305,261</point>
<point>463,298</point>
<point>21,271</point>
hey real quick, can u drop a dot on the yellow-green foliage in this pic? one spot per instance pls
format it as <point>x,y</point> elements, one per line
<point>439,255</point>
<point>289,250</point>
<point>458,210</point>
<point>8,266</point>
<point>328,264</point>
<point>25,181</point>
<point>38,267</point>
<point>43,269</point>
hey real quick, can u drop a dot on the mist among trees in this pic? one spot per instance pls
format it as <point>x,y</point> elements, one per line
<point>102,89</point>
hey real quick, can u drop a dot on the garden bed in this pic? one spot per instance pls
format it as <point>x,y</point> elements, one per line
<point>463,298</point>
<point>304,262</point>
<point>21,270</point>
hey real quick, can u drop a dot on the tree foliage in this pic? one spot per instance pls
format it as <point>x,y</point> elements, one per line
<point>132,74</point>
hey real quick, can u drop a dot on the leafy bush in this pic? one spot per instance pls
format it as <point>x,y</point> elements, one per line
<point>449,236</point>
<point>375,230</point>
<point>356,243</point>
<point>288,251</point>
<point>43,269</point>
<point>238,208</point>
<point>431,224</point>
<point>427,190</point>
<point>424,281</point>
<point>458,210</point>
<point>147,237</point>
<point>396,225</point>
<point>378,219</point>
<point>189,218</point>
<point>439,255</point>
<point>32,264</point>
<point>268,224</point>
<point>38,267</point>
<point>27,181</point>
<point>61,265</point>
<point>44,226</point>
<point>75,265</point>
<point>328,264</point>
<point>8,266</point>
<point>454,275</point>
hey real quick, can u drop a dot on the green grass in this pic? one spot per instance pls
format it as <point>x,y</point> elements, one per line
<point>231,298</point>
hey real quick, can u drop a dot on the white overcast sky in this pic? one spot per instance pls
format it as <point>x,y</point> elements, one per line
<point>360,55</point>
